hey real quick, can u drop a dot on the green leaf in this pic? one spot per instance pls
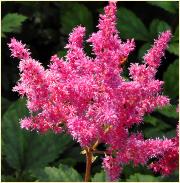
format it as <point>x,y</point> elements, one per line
<point>130,26</point>
<point>174,48</point>
<point>174,44</point>
<point>61,53</point>
<point>156,122</point>
<point>4,105</point>
<point>99,177</point>
<point>151,120</point>
<point>143,50</point>
<point>12,22</point>
<point>157,26</point>
<point>8,178</point>
<point>153,28</point>
<point>3,35</point>
<point>163,26</point>
<point>169,6</point>
<point>169,111</point>
<point>76,14</point>
<point>171,79</point>
<point>157,129</point>
<point>176,35</point>
<point>153,133</point>
<point>27,150</point>
<point>137,177</point>
<point>130,169</point>
<point>61,174</point>
<point>170,134</point>
<point>101,10</point>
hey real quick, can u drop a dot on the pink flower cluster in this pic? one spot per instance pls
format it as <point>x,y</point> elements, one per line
<point>89,98</point>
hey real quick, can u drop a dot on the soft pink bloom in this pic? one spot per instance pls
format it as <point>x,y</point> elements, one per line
<point>18,50</point>
<point>89,98</point>
<point>26,123</point>
<point>111,166</point>
<point>168,161</point>
<point>153,57</point>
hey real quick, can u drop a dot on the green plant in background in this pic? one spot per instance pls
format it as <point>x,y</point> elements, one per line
<point>31,157</point>
<point>131,25</point>
<point>26,152</point>
<point>12,22</point>
<point>169,6</point>
<point>68,22</point>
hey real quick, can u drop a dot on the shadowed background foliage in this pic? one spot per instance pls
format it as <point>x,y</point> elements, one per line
<point>44,27</point>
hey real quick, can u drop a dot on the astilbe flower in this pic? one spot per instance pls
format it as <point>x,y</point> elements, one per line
<point>168,161</point>
<point>89,99</point>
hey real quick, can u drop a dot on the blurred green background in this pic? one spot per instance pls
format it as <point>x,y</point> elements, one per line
<point>44,27</point>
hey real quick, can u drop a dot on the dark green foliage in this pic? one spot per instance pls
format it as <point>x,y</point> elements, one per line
<point>4,104</point>
<point>169,6</point>
<point>174,46</point>
<point>73,15</point>
<point>61,53</point>
<point>61,174</point>
<point>99,177</point>
<point>130,26</point>
<point>73,156</point>
<point>169,111</point>
<point>8,26</point>
<point>143,50</point>
<point>44,27</point>
<point>158,26</point>
<point>137,177</point>
<point>171,79</point>
<point>29,150</point>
